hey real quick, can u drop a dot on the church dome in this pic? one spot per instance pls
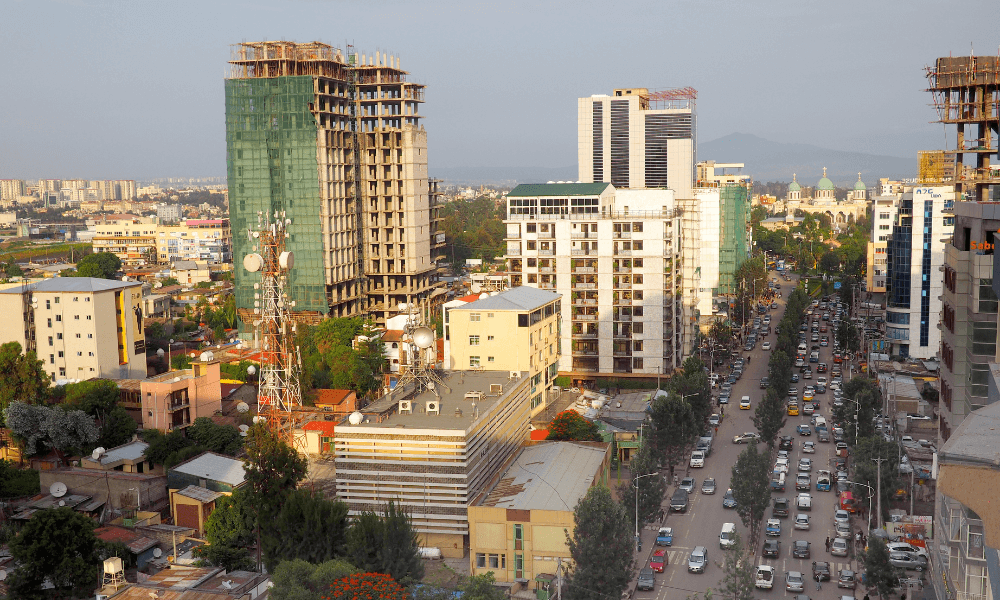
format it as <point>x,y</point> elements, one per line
<point>824,183</point>
<point>860,185</point>
<point>794,185</point>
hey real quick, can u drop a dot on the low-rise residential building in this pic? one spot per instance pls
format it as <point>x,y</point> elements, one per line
<point>339,402</point>
<point>433,450</point>
<point>316,437</point>
<point>515,330</point>
<point>196,484</point>
<point>173,400</point>
<point>80,327</point>
<point>127,458</point>
<point>189,272</point>
<point>517,527</point>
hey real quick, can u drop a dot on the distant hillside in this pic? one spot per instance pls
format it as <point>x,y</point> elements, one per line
<point>502,175</point>
<point>774,161</point>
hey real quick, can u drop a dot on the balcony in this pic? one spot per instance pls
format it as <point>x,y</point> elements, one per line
<point>584,301</point>
<point>581,252</point>
<point>623,270</point>
<point>583,270</point>
<point>621,285</point>
<point>581,235</point>
<point>582,285</point>
<point>546,269</point>
<point>584,317</point>
<point>622,352</point>
<point>623,335</point>
<point>584,352</point>
<point>584,335</point>
<point>546,286</point>
<point>546,235</point>
<point>619,252</point>
<point>619,235</point>
<point>513,252</point>
<point>624,318</point>
<point>547,252</point>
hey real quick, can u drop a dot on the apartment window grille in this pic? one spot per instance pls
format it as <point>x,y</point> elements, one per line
<point>473,340</point>
<point>474,361</point>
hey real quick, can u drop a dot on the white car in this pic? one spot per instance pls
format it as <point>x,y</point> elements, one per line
<point>804,501</point>
<point>765,346</point>
<point>838,547</point>
<point>801,521</point>
<point>809,447</point>
<point>765,577</point>
<point>908,548</point>
<point>841,516</point>
<point>697,459</point>
<point>781,465</point>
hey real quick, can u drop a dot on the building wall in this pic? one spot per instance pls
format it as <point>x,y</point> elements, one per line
<point>199,240</point>
<point>491,538</point>
<point>163,405</point>
<point>129,240</point>
<point>110,486</point>
<point>884,210</point>
<point>189,512</point>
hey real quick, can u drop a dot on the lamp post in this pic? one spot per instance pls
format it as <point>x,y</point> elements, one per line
<point>635,483</point>
<point>871,494</point>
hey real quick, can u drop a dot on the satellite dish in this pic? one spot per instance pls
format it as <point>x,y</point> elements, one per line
<point>62,503</point>
<point>259,419</point>
<point>430,385</point>
<point>355,418</point>
<point>158,284</point>
<point>476,288</point>
<point>96,454</point>
<point>286,260</point>
<point>243,407</point>
<point>253,262</point>
<point>244,428</point>
<point>157,553</point>
<point>251,370</point>
<point>124,277</point>
<point>58,489</point>
<point>423,337</point>
<point>3,574</point>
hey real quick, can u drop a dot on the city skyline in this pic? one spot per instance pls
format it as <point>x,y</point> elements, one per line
<point>142,90</point>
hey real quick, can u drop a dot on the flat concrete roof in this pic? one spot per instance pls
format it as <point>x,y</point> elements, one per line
<point>976,439</point>
<point>460,384</point>
<point>130,451</point>
<point>215,467</point>
<point>547,476</point>
<point>74,284</point>
<point>521,298</point>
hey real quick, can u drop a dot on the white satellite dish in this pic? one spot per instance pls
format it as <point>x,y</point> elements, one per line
<point>244,428</point>
<point>157,553</point>
<point>253,262</point>
<point>58,489</point>
<point>158,284</point>
<point>124,277</point>
<point>251,370</point>
<point>243,407</point>
<point>3,574</point>
<point>62,503</point>
<point>355,418</point>
<point>286,260</point>
<point>476,288</point>
<point>259,419</point>
<point>96,454</point>
<point>423,337</point>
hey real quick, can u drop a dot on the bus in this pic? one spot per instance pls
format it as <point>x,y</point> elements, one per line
<point>848,502</point>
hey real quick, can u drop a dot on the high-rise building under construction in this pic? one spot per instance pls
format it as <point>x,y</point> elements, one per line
<point>333,139</point>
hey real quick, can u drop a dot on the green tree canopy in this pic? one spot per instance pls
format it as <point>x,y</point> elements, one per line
<point>308,527</point>
<point>22,377</point>
<point>570,425</point>
<point>300,580</point>
<point>386,543</point>
<point>57,546</point>
<point>230,533</point>
<point>879,572</point>
<point>675,428</point>
<point>769,416</point>
<point>99,399</point>
<point>102,265</point>
<point>650,484</point>
<point>751,489</point>
<point>602,546</point>
<point>51,427</point>
<point>738,572</point>
<point>222,439</point>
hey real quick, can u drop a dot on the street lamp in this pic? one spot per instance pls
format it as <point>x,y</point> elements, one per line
<point>635,483</point>
<point>871,494</point>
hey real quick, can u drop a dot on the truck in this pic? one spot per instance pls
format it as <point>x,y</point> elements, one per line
<point>777,481</point>
<point>781,265</point>
<point>823,481</point>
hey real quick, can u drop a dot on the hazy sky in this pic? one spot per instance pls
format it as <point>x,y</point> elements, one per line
<point>134,89</point>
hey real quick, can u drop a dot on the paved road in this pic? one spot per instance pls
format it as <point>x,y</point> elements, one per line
<point>701,525</point>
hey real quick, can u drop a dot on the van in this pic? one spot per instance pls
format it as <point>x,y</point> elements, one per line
<point>820,422</point>
<point>814,356</point>
<point>728,536</point>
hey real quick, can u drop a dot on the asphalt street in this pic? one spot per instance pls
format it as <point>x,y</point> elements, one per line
<point>702,523</point>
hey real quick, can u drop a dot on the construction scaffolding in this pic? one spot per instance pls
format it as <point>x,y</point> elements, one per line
<point>734,248</point>
<point>966,93</point>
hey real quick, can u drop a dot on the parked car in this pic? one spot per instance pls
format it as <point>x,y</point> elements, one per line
<point>658,560</point>
<point>665,537</point>
<point>679,501</point>
<point>647,580</point>
<point>697,560</point>
<point>687,484</point>
<point>905,547</point>
<point>839,546</point>
<point>697,459</point>
<point>785,443</point>
<point>714,419</point>
<point>907,560</point>
<point>847,579</point>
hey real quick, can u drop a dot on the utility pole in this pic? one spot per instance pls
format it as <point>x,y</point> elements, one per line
<point>559,578</point>
<point>878,461</point>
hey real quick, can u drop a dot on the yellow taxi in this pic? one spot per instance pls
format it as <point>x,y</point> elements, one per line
<point>793,409</point>
<point>745,403</point>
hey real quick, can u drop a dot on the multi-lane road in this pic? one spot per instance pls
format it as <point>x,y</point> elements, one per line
<point>703,521</point>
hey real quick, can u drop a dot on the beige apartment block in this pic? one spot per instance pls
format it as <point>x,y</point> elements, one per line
<point>80,327</point>
<point>195,239</point>
<point>132,240</point>
<point>173,400</point>
<point>884,210</point>
<point>515,330</point>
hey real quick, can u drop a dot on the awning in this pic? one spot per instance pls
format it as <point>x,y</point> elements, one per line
<point>632,444</point>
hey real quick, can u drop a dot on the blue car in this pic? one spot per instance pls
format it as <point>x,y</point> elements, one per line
<point>665,537</point>
<point>773,528</point>
<point>803,430</point>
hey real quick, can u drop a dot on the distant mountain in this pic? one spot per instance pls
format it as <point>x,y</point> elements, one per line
<point>774,161</point>
<point>502,175</point>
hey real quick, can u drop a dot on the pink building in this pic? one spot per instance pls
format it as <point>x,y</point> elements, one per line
<point>173,400</point>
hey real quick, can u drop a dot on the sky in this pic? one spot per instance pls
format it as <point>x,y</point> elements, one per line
<point>130,89</point>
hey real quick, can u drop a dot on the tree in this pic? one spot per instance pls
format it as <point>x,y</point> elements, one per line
<point>858,414</point>
<point>481,587</point>
<point>650,485</point>
<point>99,399</point>
<point>738,572</point>
<point>155,331</point>
<point>169,281</point>
<point>751,489</point>
<point>879,572</point>
<point>11,270</point>
<point>50,427</point>
<point>102,265</point>
<point>272,470</point>
<point>847,336</point>
<point>300,580</point>
<point>56,546</point>
<point>21,377</point>
<point>230,532</point>
<point>570,425</point>
<point>308,527</point>
<point>15,482</point>
<point>829,263</point>
<point>386,543</point>
<point>866,469</point>
<point>165,449</point>
<point>769,416</point>
<point>222,439</point>
<point>602,546</point>
<point>366,586</point>
<point>364,538</point>
<point>675,428</point>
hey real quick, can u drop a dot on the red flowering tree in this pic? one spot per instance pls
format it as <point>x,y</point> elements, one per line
<point>569,425</point>
<point>366,586</point>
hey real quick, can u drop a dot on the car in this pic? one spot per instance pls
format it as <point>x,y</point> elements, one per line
<point>774,304</point>
<point>765,346</point>
<point>801,549</point>
<point>679,501</point>
<point>793,408</point>
<point>745,438</point>
<point>785,443</point>
<point>658,560</point>
<point>820,571</point>
<point>822,435</point>
<point>842,449</point>
<point>808,394</point>
<point>794,582</point>
<point>793,392</point>
<point>724,398</point>
<point>803,481</point>
<point>697,560</point>
<point>745,403</point>
<point>773,528</point>
<point>847,579</point>
<point>708,486</point>
<point>815,337</point>
<point>803,429</point>
<point>780,507</point>
<point>824,342</point>
<point>821,367</point>
<point>807,374</point>
<point>772,548</point>
<point>906,560</point>
<point>809,447</point>
<point>804,501</point>
<point>647,580</point>
<point>781,465</point>
<point>839,546</point>
<point>729,500</point>
<point>808,409</point>
<point>687,484</point>
<point>904,547</point>
<point>665,536</point>
<point>801,521</point>
<point>764,578</point>
<point>697,459</point>
<point>714,419</point>
<point>805,464</point>
<point>841,516</point>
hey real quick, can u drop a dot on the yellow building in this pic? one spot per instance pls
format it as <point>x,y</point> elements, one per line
<point>517,528</point>
<point>514,330</point>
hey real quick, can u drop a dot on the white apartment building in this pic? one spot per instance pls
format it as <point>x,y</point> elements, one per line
<point>915,257</point>
<point>638,139</point>
<point>80,327</point>
<point>133,240</point>
<point>615,258</point>
<point>883,216</point>
<point>195,239</point>
<point>12,189</point>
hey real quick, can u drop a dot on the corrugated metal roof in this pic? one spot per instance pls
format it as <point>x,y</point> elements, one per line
<point>324,427</point>
<point>547,476</point>
<point>74,284</point>
<point>199,493</point>
<point>518,298</point>
<point>216,467</point>
<point>531,190</point>
<point>129,451</point>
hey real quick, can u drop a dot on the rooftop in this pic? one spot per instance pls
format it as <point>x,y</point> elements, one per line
<point>518,298</point>
<point>216,467</point>
<point>185,265</point>
<point>530,190</point>
<point>326,428</point>
<point>976,439</point>
<point>457,384</point>
<point>74,284</point>
<point>548,476</point>
<point>199,493</point>
<point>129,451</point>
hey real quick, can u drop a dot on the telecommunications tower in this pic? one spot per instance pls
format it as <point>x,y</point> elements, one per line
<point>278,389</point>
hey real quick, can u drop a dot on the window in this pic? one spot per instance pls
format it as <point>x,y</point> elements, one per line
<point>536,401</point>
<point>489,315</point>
<point>490,359</point>
<point>76,317</point>
<point>474,317</point>
<point>87,299</point>
<point>79,353</point>
<point>50,340</point>
<point>491,561</point>
<point>78,335</point>
<point>58,318</point>
<point>473,340</point>
<point>61,354</point>
<point>62,371</point>
<point>978,379</point>
<point>518,536</point>
<point>59,336</point>
<point>987,297</point>
<point>90,335</point>
<point>88,318</point>
<point>50,322</point>
<point>519,566</point>
<point>76,298</point>
<point>473,361</point>
<point>52,359</point>
<point>984,337</point>
<point>90,354</point>
<point>489,338</point>
<point>48,304</point>
<point>57,299</point>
